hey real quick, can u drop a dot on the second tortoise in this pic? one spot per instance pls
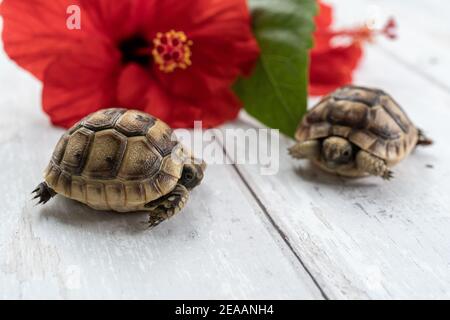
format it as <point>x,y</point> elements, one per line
<point>357,131</point>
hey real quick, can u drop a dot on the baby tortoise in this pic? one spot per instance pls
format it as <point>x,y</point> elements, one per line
<point>122,160</point>
<point>357,131</point>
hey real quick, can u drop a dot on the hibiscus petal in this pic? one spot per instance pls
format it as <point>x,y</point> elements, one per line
<point>333,68</point>
<point>192,82</point>
<point>133,85</point>
<point>35,32</point>
<point>223,44</point>
<point>323,34</point>
<point>177,112</point>
<point>81,82</point>
<point>138,90</point>
<point>224,29</point>
<point>116,20</point>
<point>182,113</point>
<point>225,107</point>
<point>325,17</point>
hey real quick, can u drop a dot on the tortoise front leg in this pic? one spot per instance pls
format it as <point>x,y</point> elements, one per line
<point>371,164</point>
<point>43,192</point>
<point>167,206</point>
<point>305,150</point>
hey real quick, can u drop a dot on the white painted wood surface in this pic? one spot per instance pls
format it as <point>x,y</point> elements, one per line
<point>298,234</point>
<point>220,247</point>
<point>367,238</point>
<point>423,28</point>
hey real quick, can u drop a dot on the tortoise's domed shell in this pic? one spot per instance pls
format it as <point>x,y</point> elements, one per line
<point>369,118</point>
<point>115,159</point>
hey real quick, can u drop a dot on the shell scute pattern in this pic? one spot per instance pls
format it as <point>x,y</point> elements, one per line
<point>319,113</point>
<point>106,154</point>
<point>78,190</point>
<point>52,173</point>
<point>354,114</point>
<point>115,195</point>
<point>135,193</point>
<point>164,182</point>
<point>65,183</point>
<point>115,159</point>
<point>367,96</point>
<point>134,123</point>
<point>369,118</point>
<point>60,148</point>
<point>140,160</point>
<point>161,136</point>
<point>396,113</point>
<point>76,151</point>
<point>95,194</point>
<point>103,119</point>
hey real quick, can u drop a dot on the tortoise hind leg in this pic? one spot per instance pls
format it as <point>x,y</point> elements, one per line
<point>423,139</point>
<point>373,165</point>
<point>167,206</point>
<point>44,193</point>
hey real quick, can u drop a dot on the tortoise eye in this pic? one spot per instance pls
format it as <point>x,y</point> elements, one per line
<point>188,176</point>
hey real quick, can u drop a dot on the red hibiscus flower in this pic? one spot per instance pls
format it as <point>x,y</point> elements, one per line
<point>332,65</point>
<point>174,59</point>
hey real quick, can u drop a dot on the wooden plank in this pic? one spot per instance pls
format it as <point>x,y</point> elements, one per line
<point>423,32</point>
<point>367,238</point>
<point>220,247</point>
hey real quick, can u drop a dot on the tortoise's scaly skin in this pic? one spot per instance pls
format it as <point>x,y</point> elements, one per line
<point>368,118</point>
<point>115,159</point>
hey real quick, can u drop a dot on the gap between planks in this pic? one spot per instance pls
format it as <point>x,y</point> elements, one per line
<point>272,216</point>
<point>408,17</point>
<point>272,222</point>
<point>411,67</point>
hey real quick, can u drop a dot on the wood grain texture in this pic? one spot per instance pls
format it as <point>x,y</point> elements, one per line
<point>219,247</point>
<point>367,238</point>
<point>423,31</point>
<point>244,235</point>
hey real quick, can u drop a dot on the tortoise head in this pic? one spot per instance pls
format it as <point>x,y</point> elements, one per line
<point>337,151</point>
<point>193,172</point>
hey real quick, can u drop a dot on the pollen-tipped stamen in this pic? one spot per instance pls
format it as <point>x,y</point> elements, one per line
<point>172,50</point>
<point>365,32</point>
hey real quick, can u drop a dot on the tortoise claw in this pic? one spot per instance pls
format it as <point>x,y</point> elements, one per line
<point>154,221</point>
<point>388,175</point>
<point>167,206</point>
<point>44,193</point>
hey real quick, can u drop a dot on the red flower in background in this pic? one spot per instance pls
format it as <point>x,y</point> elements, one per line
<point>332,65</point>
<point>174,59</point>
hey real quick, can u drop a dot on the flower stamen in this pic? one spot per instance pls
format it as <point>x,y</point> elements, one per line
<point>172,50</point>
<point>363,33</point>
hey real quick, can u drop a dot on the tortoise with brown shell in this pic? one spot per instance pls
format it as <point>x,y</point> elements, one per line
<point>357,131</point>
<point>125,161</point>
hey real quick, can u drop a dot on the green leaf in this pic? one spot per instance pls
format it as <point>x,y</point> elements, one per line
<point>276,93</point>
